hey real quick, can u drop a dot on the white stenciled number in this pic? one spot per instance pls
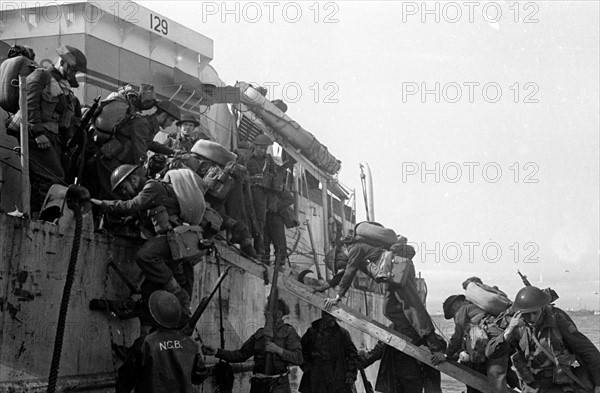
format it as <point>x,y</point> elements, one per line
<point>159,24</point>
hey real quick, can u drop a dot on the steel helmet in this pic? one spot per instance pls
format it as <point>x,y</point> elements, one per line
<point>120,174</point>
<point>188,119</point>
<point>165,309</point>
<point>447,306</point>
<point>531,299</point>
<point>170,108</point>
<point>74,57</point>
<point>262,140</point>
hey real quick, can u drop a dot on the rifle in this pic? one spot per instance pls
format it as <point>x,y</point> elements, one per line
<point>270,320</point>
<point>368,386</point>
<point>188,328</point>
<point>77,144</point>
<point>524,279</point>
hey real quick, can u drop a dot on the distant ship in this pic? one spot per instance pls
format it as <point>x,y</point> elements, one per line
<point>581,312</point>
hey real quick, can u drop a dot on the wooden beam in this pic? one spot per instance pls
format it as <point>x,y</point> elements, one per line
<point>288,283</point>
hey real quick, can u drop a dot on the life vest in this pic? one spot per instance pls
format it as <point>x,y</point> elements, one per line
<point>189,189</point>
<point>491,300</point>
<point>375,234</point>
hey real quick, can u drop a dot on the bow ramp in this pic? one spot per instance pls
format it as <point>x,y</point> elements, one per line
<point>288,283</point>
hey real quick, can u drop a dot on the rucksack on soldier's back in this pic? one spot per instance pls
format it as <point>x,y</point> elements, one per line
<point>10,71</point>
<point>189,189</point>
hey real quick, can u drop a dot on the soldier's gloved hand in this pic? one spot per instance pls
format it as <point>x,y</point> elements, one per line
<point>349,380</point>
<point>42,142</point>
<point>273,348</point>
<point>209,350</point>
<point>513,324</point>
<point>437,358</point>
<point>329,303</point>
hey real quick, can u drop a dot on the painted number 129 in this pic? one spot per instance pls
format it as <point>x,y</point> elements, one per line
<point>159,24</point>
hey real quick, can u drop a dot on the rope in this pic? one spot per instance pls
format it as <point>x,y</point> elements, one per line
<point>64,305</point>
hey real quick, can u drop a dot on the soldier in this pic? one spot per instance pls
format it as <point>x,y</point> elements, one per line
<point>229,204</point>
<point>401,302</point>
<point>268,198</point>
<point>330,358</point>
<point>132,139</point>
<point>187,134</point>
<point>398,372</point>
<point>285,346</point>
<point>545,343</point>
<point>50,101</point>
<point>165,360</point>
<point>157,205</point>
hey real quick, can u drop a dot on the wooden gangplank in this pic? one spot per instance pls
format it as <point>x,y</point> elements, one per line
<point>287,282</point>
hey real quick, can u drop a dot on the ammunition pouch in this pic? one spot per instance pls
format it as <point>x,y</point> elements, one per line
<point>211,221</point>
<point>559,375</point>
<point>219,183</point>
<point>184,241</point>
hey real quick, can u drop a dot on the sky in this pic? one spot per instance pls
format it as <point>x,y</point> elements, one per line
<point>495,168</point>
<point>479,122</point>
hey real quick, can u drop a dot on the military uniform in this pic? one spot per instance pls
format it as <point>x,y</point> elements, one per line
<point>266,185</point>
<point>400,301</point>
<point>286,338</point>
<point>555,334</point>
<point>50,110</point>
<point>165,361</point>
<point>154,257</point>
<point>398,372</point>
<point>330,360</point>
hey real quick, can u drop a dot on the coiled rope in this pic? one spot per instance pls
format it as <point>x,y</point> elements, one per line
<point>73,204</point>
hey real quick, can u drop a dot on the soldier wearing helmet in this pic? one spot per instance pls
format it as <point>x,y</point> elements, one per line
<point>269,198</point>
<point>187,134</point>
<point>130,143</point>
<point>286,347</point>
<point>155,204</point>
<point>545,342</point>
<point>165,360</point>
<point>51,114</point>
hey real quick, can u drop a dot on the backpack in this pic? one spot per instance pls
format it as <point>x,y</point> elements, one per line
<point>113,111</point>
<point>390,269</point>
<point>189,189</point>
<point>10,71</point>
<point>475,342</point>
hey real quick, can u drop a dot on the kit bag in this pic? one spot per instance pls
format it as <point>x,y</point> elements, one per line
<point>184,241</point>
<point>10,71</point>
